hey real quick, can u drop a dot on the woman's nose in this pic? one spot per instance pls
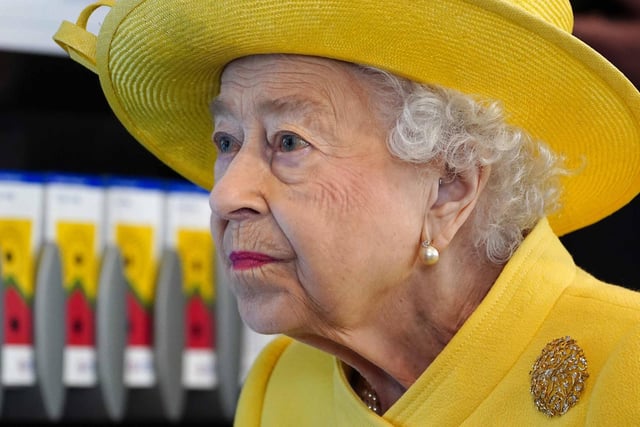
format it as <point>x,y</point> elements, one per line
<point>238,192</point>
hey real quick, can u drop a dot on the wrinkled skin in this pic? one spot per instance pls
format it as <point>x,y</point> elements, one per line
<point>334,210</point>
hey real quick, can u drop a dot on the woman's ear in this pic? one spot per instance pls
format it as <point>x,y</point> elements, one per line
<point>457,197</point>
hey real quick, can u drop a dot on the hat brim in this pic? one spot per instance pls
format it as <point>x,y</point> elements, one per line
<point>160,62</point>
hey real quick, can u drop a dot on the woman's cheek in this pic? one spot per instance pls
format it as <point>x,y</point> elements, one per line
<point>340,194</point>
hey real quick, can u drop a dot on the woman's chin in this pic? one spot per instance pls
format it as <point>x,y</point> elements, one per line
<point>268,317</point>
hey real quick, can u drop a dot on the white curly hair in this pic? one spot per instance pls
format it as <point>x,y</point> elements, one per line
<point>429,123</point>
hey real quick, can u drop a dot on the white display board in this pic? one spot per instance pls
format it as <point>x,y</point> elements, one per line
<point>29,25</point>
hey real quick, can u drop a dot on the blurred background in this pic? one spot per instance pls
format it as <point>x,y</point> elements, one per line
<point>53,115</point>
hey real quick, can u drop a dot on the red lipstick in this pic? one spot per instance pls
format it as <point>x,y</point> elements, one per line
<point>243,260</point>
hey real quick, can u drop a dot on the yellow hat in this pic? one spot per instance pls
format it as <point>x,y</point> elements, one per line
<point>159,63</point>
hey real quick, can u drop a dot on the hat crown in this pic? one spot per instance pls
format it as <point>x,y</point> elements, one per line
<point>556,12</point>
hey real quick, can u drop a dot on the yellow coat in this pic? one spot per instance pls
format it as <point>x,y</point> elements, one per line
<point>483,376</point>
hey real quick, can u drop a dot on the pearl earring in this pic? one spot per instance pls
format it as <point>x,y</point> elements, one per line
<point>428,253</point>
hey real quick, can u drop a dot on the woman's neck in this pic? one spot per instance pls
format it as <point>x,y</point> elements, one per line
<point>410,328</point>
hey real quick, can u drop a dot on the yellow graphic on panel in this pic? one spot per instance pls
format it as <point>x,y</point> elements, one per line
<point>77,242</point>
<point>18,263</point>
<point>195,248</point>
<point>136,244</point>
<point>18,277</point>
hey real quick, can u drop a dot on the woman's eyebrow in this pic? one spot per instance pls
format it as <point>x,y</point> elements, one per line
<point>218,108</point>
<point>293,104</point>
<point>311,113</point>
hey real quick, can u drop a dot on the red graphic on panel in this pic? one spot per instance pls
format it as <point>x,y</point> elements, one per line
<point>80,319</point>
<point>17,316</point>
<point>139,322</point>
<point>199,325</point>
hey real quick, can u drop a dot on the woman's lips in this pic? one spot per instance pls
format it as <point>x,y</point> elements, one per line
<point>242,260</point>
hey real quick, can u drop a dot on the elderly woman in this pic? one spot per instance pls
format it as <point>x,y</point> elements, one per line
<point>390,184</point>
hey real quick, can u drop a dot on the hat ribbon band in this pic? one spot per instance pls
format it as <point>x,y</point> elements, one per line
<point>79,43</point>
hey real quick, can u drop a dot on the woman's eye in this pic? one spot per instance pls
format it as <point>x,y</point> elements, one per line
<point>287,142</point>
<point>225,142</point>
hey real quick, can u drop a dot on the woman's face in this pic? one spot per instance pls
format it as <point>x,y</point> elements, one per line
<point>314,220</point>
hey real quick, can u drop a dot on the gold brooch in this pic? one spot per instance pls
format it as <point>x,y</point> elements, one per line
<point>558,376</point>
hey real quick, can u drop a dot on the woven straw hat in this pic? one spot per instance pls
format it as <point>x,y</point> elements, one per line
<point>159,63</point>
